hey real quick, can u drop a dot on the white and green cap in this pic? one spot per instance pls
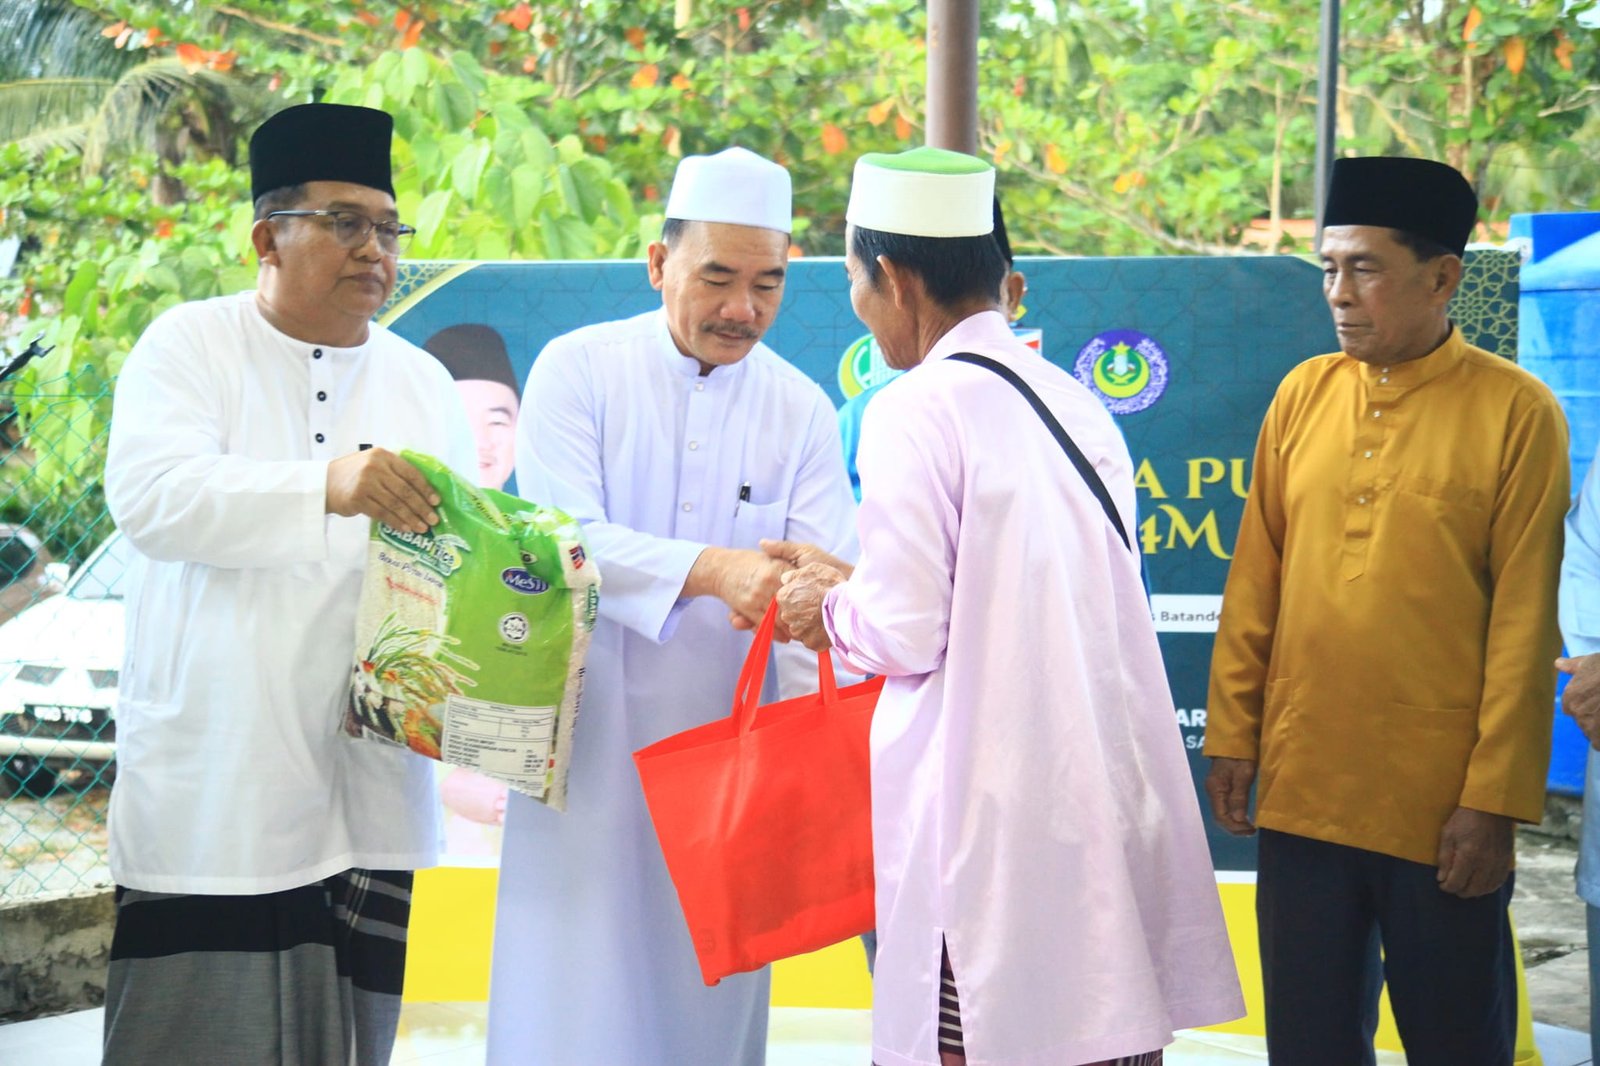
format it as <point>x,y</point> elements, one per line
<point>926,192</point>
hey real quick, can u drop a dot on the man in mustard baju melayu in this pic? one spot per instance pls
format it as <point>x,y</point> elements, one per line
<point>1382,671</point>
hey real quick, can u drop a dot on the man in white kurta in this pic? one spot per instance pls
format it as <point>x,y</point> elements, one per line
<point>253,440</point>
<point>680,442</point>
<point>1033,814</point>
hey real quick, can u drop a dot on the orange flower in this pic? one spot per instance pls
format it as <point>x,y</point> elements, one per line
<point>1054,161</point>
<point>634,35</point>
<point>902,127</point>
<point>681,83</point>
<point>744,20</point>
<point>1000,151</point>
<point>1564,50</point>
<point>113,29</point>
<point>1470,28</point>
<point>164,228</point>
<point>192,56</point>
<point>368,18</point>
<point>878,113</point>
<point>402,19</point>
<point>1516,55</point>
<point>530,64</point>
<point>412,35</point>
<point>833,139</point>
<point>520,18</point>
<point>645,77</point>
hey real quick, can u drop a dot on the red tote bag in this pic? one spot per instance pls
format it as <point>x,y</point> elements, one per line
<point>765,819</point>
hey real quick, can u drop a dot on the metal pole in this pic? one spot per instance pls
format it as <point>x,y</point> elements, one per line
<point>953,75</point>
<point>1327,106</point>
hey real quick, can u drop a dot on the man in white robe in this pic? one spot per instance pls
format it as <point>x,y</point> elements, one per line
<point>263,861</point>
<point>1044,892</point>
<point>680,442</point>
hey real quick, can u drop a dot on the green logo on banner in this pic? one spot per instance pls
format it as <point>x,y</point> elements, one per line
<point>863,367</point>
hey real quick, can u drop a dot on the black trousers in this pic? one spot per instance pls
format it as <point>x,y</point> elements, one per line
<point>1324,910</point>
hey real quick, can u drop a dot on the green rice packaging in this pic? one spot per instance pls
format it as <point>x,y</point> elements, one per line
<point>470,638</point>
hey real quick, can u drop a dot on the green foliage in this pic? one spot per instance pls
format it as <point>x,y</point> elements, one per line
<point>550,129</point>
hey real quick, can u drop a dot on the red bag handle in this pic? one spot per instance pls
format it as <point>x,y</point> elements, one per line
<point>747,695</point>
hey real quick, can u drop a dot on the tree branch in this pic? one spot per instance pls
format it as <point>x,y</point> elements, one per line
<point>277,27</point>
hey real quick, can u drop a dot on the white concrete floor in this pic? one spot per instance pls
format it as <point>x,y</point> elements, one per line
<point>452,1034</point>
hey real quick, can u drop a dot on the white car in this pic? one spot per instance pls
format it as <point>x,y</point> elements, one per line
<point>59,661</point>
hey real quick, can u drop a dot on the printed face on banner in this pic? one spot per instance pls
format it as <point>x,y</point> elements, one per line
<point>492,412</point>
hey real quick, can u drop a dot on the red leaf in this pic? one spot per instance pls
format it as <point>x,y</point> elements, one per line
<point>412,36</point>
<point>521,18</point>
<point>402,19</point>
<point>902,127</point>
<point>530,64</point>
<point>192,56</point>
<point>634,35</point>
<point>164,228</point>
<point>221,60</point>
<point>833,139</point>
<point>113,29</point>
<point>744,20</point>
<point>368,18</point>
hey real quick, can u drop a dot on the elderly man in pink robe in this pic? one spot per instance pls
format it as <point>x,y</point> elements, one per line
<point>1044,892</point>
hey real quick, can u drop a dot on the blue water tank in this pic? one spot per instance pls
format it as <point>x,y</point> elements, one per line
<point>1558,335</point>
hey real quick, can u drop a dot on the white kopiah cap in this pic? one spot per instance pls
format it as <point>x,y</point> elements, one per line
<point>735,186</point>
<point>926,192</point>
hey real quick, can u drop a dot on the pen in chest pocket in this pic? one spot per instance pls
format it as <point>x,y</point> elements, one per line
<point>744,496</point>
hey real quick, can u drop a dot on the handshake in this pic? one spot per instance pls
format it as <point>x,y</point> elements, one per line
<point>799,575</point>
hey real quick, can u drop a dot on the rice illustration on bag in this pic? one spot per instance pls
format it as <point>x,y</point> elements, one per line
<point>470,638</point>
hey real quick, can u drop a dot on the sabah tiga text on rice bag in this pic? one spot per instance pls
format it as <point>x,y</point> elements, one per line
<point>470,638</point>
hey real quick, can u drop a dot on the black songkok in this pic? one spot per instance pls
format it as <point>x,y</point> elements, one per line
<point>321,142</point>
<point>1428,199</point>
<point>1000,234</point>
<point>473,352</point>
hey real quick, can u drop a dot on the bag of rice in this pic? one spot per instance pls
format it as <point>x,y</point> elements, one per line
<point>470,638</point>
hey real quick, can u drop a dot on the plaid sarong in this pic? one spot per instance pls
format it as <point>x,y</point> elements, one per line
<point>310,976</point>
<point>950,1024</point>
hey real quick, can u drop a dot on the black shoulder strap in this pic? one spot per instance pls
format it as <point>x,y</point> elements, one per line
<point>1079,460</point>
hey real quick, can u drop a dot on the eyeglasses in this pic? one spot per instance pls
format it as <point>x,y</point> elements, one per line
<point>350,229</point>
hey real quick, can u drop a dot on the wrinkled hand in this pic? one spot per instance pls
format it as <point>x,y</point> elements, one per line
<point>744,579</point>
<point>796,555</point>
<point>799,555</point>
<point>1581,697</point>
<point>383,486</point>
<point>1228,786</point>
<point>800,603</point>
<point>1475,852</point>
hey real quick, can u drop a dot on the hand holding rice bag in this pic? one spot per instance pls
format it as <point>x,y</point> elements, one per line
<point>470,638</point>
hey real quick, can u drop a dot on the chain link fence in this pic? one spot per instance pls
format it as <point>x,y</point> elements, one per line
<point>61,616</point>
